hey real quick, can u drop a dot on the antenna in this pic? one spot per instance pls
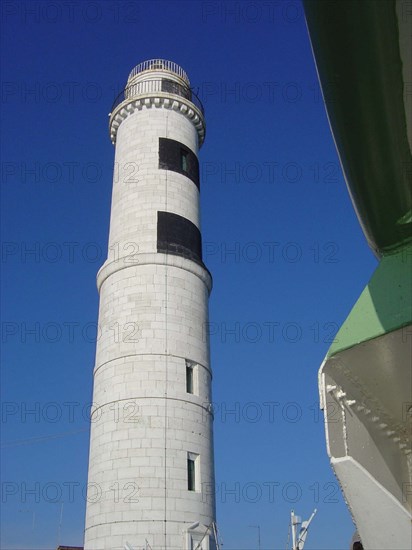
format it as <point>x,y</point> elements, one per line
<point>258,528</point>
<point>59,532</point>
<point>299,535</point>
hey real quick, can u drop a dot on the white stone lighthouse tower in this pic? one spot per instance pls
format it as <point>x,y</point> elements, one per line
<point>151,473</point>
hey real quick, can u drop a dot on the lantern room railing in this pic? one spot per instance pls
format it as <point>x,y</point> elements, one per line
<point>159,64</point>
<point>164,85</point>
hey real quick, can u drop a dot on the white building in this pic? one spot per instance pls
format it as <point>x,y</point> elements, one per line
<point>151,472</point>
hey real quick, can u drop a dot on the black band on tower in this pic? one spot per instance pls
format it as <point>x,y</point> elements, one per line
<point>175,156</point>
<point>178,235</point>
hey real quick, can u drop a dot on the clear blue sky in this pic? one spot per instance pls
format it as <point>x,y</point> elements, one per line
<point>280,237</point>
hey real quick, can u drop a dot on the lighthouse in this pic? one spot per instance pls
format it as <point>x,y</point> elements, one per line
<point>151,467</point>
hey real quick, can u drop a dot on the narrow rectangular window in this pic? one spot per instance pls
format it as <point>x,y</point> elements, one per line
<point>193,472</point>
<point>189,379</point>
<point>184,157</point>
<point>191,475</point>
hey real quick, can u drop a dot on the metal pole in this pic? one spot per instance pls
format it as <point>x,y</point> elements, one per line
<point>258,528</point>
<point>60,524</point>
<point>292,526</point>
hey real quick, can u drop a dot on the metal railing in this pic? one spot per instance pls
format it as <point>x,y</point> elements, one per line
<point>152,86</point>
<point>159,64</point>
